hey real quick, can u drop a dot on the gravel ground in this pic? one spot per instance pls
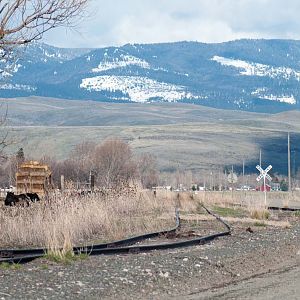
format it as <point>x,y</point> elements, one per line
<point>184,273</point>
<point>282,284</point>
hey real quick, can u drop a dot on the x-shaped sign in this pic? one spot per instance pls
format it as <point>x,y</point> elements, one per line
<point>264,173</point>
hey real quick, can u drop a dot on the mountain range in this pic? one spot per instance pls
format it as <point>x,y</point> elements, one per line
<point>250,75</point>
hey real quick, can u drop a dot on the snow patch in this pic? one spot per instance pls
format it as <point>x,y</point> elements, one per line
<point>256,69</point>
<point>123,61</point>
<point>8,69</point>
<point>290,99</point>
<point>137,89</point>
<point>18,87</point>
<point>262,93</point>
<point>50,55</point>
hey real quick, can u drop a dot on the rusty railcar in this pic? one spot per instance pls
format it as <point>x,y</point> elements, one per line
<point>33,177</point>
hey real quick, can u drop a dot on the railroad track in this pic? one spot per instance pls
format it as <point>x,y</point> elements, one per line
<point>126,246</point>
<point>284,208</point>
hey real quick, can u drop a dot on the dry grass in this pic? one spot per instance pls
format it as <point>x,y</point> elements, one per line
<point>244,197</point>
<point>247,221</point>
<point>251,202</point>
<point>64,221</point>
<point>260,214</point>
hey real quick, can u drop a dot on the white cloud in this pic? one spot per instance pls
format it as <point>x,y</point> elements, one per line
<point>117,22</point>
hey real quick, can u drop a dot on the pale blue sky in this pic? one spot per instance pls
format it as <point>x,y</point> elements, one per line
<point>117,22</point>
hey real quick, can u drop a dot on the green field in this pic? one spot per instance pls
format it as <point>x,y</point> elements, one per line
<point>190,137</point>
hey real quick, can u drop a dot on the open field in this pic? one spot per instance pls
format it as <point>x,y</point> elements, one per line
<point>188,137</point>
<point>255,248</point>
<point>76,220</point>
<point>79,219</point>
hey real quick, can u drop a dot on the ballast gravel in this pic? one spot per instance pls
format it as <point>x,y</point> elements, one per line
<point>160,274</point>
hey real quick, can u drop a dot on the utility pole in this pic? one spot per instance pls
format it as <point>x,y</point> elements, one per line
<point>232,183</point>
<point>260,157</point>
<point>289,162</point>
<point>243,172</point>
<point>225,172</point>
<point>92,181</point>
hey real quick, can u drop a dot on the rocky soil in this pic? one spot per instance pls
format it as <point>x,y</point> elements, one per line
<point>183,273</point>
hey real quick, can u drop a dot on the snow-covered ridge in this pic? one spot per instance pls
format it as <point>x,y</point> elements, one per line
<point>290,99</point>
<point>7,69</point>
<point>121,62</point>
<point>256,69</point>
<point>17,87</point>
<point>263,93</point>
<point>137,89</point>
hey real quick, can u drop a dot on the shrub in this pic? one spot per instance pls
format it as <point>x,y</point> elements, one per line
<point>262,214</point>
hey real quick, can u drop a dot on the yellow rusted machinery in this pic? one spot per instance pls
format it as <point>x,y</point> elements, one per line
<point>33,177</point>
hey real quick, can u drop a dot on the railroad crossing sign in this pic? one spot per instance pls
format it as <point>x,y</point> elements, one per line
<point>232,178</point>
<point>264,174</point>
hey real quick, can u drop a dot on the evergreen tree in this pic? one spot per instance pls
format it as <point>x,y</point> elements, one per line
<point>20,156</point>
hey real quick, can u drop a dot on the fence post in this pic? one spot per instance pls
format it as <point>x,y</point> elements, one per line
<point>92,181</point>
<point>62,183</point>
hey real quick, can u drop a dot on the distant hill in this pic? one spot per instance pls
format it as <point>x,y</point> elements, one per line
<point>185,136</point>
<point>251,75</point>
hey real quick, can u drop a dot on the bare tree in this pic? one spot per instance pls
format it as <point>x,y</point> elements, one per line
<point>22,21</point>
<point>148,170</point>
<point>82,159</point>
<point>114,163</point>
<point>76,167</point>
<point>3,134</point>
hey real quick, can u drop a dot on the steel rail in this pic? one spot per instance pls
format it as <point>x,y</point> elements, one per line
<point>284,208</point>
<point>112,249</point>
<point>10,253</point>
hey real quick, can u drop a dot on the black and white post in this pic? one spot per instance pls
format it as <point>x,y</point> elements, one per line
<point>264,175</point>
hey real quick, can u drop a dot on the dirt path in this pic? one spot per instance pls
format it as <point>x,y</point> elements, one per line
<point>283,284</point>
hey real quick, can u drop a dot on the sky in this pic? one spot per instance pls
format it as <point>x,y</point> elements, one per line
<point>118,22</point>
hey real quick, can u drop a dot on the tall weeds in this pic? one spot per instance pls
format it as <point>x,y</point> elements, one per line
<point>63,221</point>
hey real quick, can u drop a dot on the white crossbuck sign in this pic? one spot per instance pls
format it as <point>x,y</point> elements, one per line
<point>264,173</point>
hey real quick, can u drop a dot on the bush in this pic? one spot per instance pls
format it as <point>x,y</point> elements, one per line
<point>262,214</point>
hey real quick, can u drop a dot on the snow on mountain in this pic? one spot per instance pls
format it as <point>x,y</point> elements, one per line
<point>290,99</point>
<point>136,88</point>
<point>110,63</point>
<point>47,53</point>
<point>8,69</point>
<point>255,69</point>
<point>17,87</point>
<point>263,93</point>
<point>253,75</point>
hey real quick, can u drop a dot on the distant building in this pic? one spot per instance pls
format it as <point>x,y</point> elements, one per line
<point>262,188</point>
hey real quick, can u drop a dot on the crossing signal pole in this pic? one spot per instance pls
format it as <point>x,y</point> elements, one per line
<point>264,175</point>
